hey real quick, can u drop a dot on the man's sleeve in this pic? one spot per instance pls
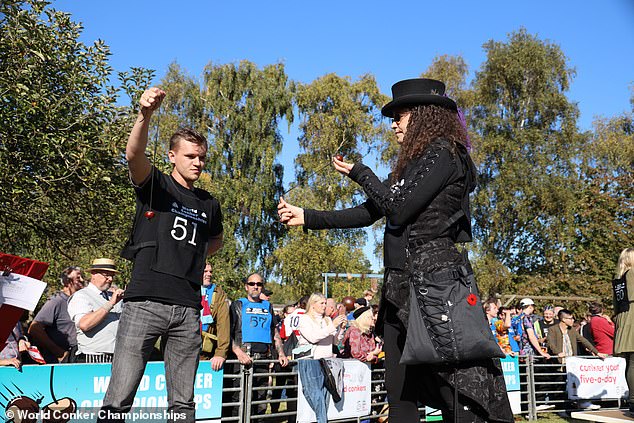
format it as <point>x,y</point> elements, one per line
<point>78,308</point>
<point>551,340</point>
<point>223,325</point>
<point>48,313</point>
<point>234,320</point>
<point>273,325</point>
<point>587,344</point>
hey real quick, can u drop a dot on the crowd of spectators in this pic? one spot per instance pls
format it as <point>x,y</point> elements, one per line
<point>553,335</point>
<point>78,324</point>
<point>521,330</point>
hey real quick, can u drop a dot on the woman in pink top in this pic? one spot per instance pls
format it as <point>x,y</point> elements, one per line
<point>359,339</point>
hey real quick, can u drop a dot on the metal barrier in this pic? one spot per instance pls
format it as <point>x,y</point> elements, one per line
<point>542,390</point>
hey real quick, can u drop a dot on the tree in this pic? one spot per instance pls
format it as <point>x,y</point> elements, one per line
<point>338,116</point>
<point>63,181</point>
<point>605,211</point>
<point>528,145</point>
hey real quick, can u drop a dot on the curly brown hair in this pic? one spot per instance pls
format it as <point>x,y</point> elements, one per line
<point>427,123</point>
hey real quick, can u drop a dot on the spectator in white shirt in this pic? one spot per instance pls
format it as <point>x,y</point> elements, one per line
<point>96,311</point>
<point>317,329</point>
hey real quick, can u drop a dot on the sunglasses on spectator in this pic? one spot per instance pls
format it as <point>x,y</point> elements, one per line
<point>255,283</point>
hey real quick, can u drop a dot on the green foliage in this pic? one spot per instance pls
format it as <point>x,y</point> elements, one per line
<point>337,117</point>
<point>553,208</point>
<point>63,182</point>
<point>453,71</point>
<point>605,209</point>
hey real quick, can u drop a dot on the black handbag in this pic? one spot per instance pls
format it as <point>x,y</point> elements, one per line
<point>446,321</point>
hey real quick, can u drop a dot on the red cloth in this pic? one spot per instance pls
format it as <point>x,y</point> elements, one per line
<point>603,334</point>
<point>9,315</point>
<point>205,305</point>
<point>23,266</point>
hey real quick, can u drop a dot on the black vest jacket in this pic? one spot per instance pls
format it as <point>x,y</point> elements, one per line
<point>179,231</point>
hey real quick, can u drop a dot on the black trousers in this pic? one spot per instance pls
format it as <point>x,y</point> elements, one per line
<point>408,385</point>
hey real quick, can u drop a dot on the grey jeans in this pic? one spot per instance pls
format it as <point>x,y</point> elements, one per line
<point>141,324</point>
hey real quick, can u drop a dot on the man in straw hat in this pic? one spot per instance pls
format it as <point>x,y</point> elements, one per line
<point>95,311</point>
<point>176,226</point>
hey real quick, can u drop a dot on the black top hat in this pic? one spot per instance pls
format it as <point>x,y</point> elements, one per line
<point>412,92</point>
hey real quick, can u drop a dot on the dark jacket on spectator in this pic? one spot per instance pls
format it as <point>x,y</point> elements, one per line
<point>555,341</point>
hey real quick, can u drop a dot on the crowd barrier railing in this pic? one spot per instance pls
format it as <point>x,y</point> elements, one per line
<point>542,390</point>
<point>259,389</point>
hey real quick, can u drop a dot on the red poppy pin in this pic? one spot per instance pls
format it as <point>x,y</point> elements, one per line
<point>472,299</point>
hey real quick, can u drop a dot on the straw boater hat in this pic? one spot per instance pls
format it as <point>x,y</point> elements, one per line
<point>103,264</point>
<point>412,92</point>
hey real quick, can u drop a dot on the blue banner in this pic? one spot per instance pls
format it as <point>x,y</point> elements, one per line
<point>511,369</point>
<point>86,384</point>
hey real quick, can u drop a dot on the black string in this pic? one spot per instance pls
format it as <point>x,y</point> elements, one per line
<point>156,139</point>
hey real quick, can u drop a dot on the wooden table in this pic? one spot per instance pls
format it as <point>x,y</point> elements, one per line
<point>605,416</point>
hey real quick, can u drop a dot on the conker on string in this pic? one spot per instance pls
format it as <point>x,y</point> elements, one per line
<point>339,157</point>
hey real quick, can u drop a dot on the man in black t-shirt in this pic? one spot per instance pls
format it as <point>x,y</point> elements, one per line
<point>176,226</point>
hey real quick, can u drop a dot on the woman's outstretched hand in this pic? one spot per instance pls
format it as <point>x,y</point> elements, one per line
<point>342,167</point>
<point>289,214</point>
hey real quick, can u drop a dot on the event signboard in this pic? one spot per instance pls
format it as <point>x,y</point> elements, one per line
<point>355,400</point>
<point>511,370</point>
<point>591,378</point>
<point>83,386</point>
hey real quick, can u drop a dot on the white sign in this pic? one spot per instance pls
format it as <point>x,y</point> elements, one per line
<point>20,291</point>
<point>355,401</point>
<point>594,379</point>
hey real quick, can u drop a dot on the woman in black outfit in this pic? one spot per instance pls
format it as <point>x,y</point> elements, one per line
<point>426,204</point>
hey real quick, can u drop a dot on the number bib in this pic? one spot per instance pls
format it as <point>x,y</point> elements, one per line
<point>621,296</point>
<point>179,231</point>
<point>182,238</point>
<point>256,321</point>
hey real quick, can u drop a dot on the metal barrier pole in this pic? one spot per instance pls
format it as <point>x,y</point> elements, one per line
<point>530,379</point>
<point>232,390</point>
<point>246,399</point>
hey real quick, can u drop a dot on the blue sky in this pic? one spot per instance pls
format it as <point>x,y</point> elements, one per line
<point>391,40</point>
